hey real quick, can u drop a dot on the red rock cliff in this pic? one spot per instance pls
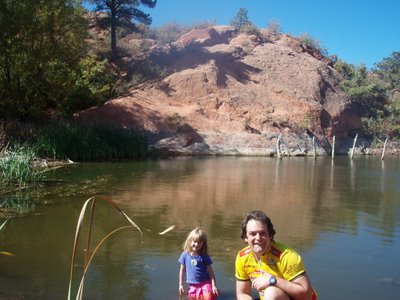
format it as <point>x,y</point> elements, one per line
<point>234,94</point>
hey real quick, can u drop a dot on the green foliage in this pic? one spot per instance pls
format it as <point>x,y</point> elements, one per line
<point>95,76</point>
<point>370,96</point>
<point>94,85</point>
<point>122,14</point>
<point>389,70</point>
<point>375,94</point>
<point>41,45</point>
<point>17,167</point>
<point>364,90</point>
<point>313,43</point>
<point>345,69</point>
<point>241,21</point>
<point>90,142</point>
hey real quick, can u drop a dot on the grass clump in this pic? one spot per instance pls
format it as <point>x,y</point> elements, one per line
<point>18,173</point>
<point>17,167</point>
<point>90,142</point>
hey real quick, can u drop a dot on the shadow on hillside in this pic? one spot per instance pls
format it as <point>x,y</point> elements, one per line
<point>125,116</point>
<point>151,123</point>
<point>227,64</point>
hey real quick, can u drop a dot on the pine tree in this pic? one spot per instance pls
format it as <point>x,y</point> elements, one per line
<point>123,13</point>
<point>241,19</point>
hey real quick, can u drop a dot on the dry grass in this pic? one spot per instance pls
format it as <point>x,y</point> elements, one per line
<point>88,256</point>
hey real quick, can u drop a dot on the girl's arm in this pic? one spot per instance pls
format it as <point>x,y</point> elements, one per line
<point>181,279</point>
<point>213,280</point>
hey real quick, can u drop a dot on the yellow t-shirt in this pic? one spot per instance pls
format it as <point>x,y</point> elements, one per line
<point>280,261</point>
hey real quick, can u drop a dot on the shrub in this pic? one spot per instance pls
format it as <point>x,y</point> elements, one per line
<point>274,27</point>
<point>313,43</point>
<point>249,29</point>
<point>172,31</point>
<point>17,168</point>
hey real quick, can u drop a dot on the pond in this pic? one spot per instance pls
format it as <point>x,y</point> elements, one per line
<point>342,215</point>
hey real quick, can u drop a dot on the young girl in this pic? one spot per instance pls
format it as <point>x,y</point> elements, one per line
<point>196,265</point>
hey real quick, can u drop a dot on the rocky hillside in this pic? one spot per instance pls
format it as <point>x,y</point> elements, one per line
<point>230,94</point>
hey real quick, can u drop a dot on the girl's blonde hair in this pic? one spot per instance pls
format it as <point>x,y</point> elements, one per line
<point>196,234</point>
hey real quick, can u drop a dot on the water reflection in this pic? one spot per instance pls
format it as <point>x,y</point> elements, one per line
<point>342,214</point>
<point>19,202</point>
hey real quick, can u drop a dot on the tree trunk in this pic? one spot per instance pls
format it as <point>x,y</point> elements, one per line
<point>114,51</point>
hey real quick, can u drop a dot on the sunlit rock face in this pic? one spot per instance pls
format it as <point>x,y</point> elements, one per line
<point>229,93</point>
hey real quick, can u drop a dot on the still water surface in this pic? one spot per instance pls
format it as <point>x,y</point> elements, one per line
<point>342,215</point>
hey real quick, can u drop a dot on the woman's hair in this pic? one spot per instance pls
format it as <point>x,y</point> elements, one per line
<point>258,216</point>
<point>196,234</point>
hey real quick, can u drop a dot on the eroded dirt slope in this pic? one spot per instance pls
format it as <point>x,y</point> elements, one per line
<point>235,94</point>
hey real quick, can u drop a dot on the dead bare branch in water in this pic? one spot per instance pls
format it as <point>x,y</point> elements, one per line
<point>167,230</point>
<point>2,225</point>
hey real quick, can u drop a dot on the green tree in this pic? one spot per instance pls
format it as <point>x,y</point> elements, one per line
<point>369,93</point>
<point>345,69</point>
<point>123,13</point>
<point>42,42</point>
<point>241,20</point>
<point>364,90</point>
<point>389,70</point>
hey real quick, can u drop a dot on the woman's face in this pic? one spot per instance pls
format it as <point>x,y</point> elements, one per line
<point>257,237</point>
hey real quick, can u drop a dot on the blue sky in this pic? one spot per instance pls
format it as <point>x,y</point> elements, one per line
<point>357,31</point>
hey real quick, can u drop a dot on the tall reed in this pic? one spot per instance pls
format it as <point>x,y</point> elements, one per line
<point>89,254</point>
<point>90,142</point>
<point>17,168</point>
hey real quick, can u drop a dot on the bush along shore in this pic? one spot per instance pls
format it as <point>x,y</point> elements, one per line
<point>31,151</point>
